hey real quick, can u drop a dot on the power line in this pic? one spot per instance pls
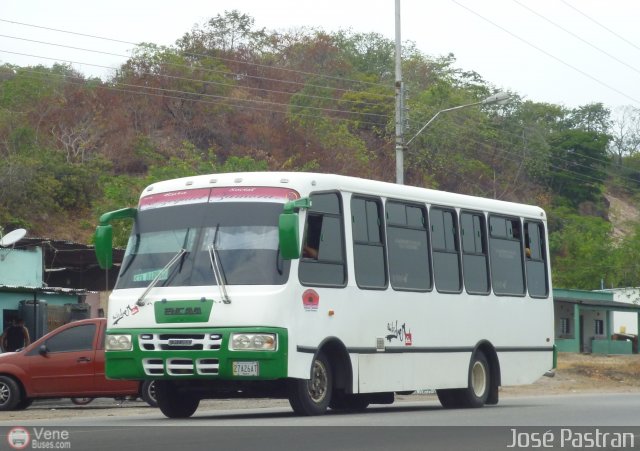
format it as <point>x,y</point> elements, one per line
<point>207,82</point>
<point>232,74</point>
<point>604,52</point>
<point>511,156</point>
<point>223,101</point>
<point>600,25</point>
<point>531,129</point>
<point>504,150</point>
<point>561,61</point>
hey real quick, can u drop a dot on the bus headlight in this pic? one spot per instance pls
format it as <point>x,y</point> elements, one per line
<point>118,343</point>
<point>253,342</point>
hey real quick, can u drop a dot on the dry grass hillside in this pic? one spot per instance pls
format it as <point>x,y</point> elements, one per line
<point>622,214</point>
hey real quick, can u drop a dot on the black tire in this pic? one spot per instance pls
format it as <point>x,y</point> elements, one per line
<point>148,393</point>
<point>174,403</point>
<point>24,403</point>
<point>312,397</point>
<point>350,402</point>
<point>9,393</point>
<point>450,398</point>
<point>479,386</point>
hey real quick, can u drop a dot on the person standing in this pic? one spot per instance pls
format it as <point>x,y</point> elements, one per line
<point>15,336</point>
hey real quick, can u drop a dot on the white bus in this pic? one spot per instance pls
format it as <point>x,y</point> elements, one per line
<point>328,290</point>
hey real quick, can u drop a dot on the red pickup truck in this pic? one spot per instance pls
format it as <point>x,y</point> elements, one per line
<point>66,363</point>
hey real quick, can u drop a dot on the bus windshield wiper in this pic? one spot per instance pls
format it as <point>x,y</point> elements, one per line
<point>218,272</point>
<point>155,280</point>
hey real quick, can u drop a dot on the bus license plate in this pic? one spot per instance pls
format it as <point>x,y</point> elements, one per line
<point>245,368</point>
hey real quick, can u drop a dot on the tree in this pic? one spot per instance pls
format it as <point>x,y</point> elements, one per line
<point>593,117</point>
<point>625,133</point>
<point>229,33</point>
<point>581,250</point>
<point>579,160</point>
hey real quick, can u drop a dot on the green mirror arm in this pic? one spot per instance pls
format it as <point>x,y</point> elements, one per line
<point>295,205</point>
<point>123,213</point>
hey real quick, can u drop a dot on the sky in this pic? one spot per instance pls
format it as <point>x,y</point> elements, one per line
<point>566,52</point>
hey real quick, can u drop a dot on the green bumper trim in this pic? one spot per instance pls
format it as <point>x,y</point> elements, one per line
<point>153,358</point>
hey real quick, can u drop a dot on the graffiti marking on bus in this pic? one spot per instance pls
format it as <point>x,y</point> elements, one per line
<point>399,333</point>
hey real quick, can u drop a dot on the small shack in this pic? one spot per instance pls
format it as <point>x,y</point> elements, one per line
<point>584,322</point>
<point>25,269</point>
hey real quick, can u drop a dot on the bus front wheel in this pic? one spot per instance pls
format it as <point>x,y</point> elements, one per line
<point>312,396</point>
<point>172,402</point>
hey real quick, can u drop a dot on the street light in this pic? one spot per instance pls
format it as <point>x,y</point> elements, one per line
<point>500,97</point>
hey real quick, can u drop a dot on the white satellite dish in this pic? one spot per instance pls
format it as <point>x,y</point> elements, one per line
<point>12,237</point>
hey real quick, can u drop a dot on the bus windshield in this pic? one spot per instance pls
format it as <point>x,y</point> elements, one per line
<point>246,240</point>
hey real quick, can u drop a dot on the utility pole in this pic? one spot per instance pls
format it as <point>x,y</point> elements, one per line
<point>399,103</point>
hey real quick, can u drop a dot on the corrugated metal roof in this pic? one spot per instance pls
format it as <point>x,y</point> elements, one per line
<point>607,305</point>
<point>563,294</point>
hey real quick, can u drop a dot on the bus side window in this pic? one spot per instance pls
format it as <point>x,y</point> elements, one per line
<point>474,253</point>
<point>506,247</point>
<point>446,251</point>
<point>368,244</point>
<point>323,260</point>
<point>408,242</point>
<point>313,232</point>
<point>536,259</point>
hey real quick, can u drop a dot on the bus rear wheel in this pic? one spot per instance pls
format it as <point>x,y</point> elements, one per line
<point>311,397</point>
<point>477,391</point>
<point>174,403</point>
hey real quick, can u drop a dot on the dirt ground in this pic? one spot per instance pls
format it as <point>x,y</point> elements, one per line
<point>584,373</point>
<point>576,373</point>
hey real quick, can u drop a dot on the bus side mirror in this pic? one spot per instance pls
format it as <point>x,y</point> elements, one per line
<point>289,236</point>
<point>104,245</point>
<point>289,229</point>
<point>103,238</point>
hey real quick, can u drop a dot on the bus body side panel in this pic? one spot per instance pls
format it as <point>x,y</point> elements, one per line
<point>511,364</point>
<point>412,371</point>
<point>428,337</point>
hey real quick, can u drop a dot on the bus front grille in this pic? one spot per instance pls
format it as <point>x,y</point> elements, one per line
<point>180,367</point>
<point>179,342</point>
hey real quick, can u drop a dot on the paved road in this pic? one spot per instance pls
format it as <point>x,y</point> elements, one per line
<point>408,425</point>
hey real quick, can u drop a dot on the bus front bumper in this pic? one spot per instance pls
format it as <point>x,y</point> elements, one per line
<point>199,353</point>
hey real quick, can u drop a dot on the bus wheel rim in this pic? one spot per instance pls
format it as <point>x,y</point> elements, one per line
<point>319,383</point>
<point>478,379</point>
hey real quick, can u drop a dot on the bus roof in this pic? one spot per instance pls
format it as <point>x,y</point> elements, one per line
<point>307,182</point>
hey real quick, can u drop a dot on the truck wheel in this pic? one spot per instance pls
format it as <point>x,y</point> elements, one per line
<point>9,393</point>
<point>312,396</point>
<point>148,393</point>
<point>172,402</point>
